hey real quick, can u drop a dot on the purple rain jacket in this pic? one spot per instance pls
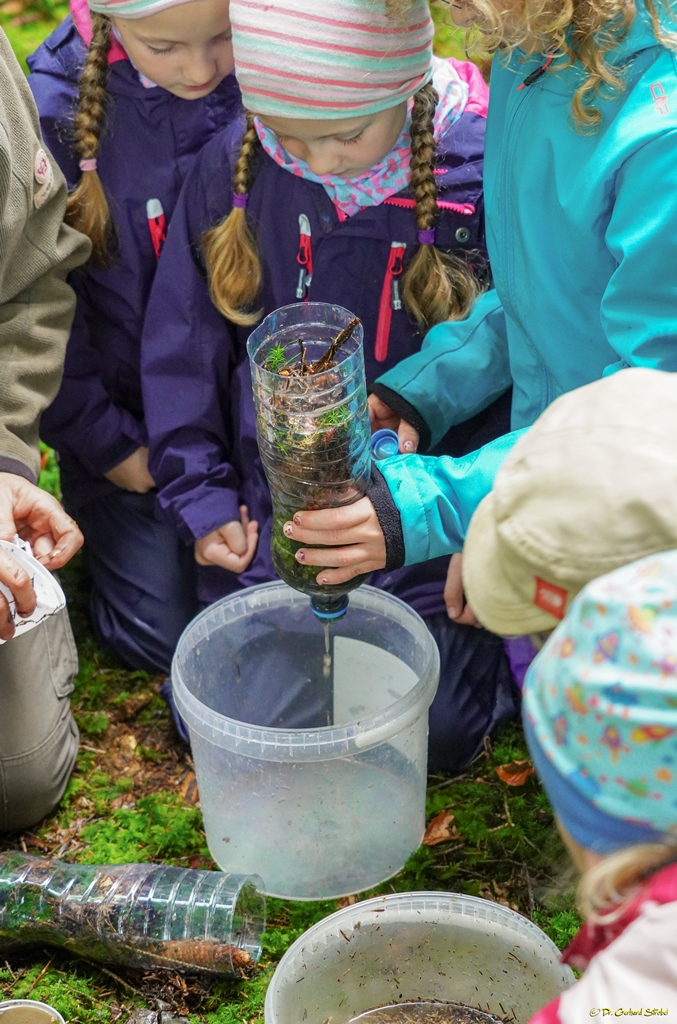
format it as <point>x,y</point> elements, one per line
<point>197,386</point>
<point>149,144</point>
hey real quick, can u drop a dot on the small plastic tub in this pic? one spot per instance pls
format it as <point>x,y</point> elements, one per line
<point>416,946</point>
<point>311,769</point>
<point>28,1011</point>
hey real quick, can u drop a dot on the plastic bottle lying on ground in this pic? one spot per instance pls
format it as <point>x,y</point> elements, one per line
<point>137,915</point>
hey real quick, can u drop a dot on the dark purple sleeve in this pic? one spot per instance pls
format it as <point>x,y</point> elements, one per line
<point>83,420</point>
<point>188,360</point>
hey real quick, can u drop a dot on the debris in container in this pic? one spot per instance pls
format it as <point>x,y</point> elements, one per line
<point>277,361</point>
<point>422,1012</point>
<point>312,423</point>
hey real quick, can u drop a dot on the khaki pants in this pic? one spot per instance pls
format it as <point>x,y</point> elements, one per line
<point>38,735</point>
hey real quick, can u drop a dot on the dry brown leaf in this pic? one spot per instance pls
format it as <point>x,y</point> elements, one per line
<point>189,791</point>
<point>16,7</point>
<point>515,773</point>
<point>438,830</point>
<point>347,901</point>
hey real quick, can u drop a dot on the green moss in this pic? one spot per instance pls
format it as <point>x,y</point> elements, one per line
<point>92,723</point>
<point>159,828</point>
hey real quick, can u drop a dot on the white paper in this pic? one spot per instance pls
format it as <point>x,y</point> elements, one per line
<point>50,596</point>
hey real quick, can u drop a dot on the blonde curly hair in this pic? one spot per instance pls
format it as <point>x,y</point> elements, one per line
<point>579,30</point>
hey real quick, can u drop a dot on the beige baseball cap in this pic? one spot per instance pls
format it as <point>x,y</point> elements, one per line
<point>590,487</point>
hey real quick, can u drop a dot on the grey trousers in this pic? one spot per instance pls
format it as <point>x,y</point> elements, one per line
<point>38,735</point>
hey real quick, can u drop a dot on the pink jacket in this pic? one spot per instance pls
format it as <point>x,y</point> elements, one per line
<point>630,964</point>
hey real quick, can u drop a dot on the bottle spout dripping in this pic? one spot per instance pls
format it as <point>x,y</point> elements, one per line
<point>329,609</point>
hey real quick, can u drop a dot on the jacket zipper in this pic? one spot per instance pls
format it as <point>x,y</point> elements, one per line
<point>465,209</point>
<point>511,135</point>
<point>157,225</point>
<point>390,299</point>
<point>304,258</point>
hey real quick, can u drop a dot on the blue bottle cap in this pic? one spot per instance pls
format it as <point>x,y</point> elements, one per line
<point>384,443</point>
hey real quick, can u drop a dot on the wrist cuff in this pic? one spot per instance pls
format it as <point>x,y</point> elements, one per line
<point>389,519</point>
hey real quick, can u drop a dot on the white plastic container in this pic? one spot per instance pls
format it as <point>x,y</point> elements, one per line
<point>314,780</point>
<point>28,1011</point>
<point>417,945</point>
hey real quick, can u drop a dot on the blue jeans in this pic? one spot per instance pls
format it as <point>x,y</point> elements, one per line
<point>142,576</point>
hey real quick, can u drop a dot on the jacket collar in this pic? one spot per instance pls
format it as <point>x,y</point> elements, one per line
<point>82,19</point>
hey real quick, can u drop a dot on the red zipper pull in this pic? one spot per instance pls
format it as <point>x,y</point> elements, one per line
<point>157,225</point>
<point>304,258</point>
<point>390,299</point>
<point>535,75</point>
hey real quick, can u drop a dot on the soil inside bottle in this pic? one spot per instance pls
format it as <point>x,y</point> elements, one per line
<point>313,434</point>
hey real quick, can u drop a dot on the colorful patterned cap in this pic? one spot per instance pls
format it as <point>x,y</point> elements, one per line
<point>600,707</point>
<point>337,58</point>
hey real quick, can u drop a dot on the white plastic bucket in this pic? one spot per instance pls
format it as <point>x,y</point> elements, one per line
<point>315,782</point>
<point>416,945</point>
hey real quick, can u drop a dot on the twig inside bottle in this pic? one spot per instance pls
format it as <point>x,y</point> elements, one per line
<point>276,360</point>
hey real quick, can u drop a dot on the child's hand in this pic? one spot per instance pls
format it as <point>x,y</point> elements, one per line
<point>454,598</point>
<point>132,473</point>
<point>352,531</point>
<point>232,546</point>
<point>382,417</point>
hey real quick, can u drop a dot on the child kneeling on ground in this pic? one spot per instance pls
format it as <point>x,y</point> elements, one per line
<point>128,92</point>
<point>355,180</point>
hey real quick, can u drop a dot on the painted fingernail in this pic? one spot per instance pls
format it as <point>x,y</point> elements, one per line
<point>297,520</point>
<point>300,556</point>
<point>288,529</point>
<point>408,446</point>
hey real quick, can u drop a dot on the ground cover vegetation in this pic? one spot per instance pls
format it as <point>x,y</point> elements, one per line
<point>133,797</point>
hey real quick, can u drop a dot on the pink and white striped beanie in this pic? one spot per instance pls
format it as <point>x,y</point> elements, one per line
<point>131,8</point>
<point>328,58</point>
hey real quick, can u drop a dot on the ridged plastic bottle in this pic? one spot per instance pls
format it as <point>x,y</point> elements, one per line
<point>137,915</point>
<point>312,431</point>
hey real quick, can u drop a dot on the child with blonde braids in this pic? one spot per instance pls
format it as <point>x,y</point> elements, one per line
<point>355,179</point>
<point>128,92</point>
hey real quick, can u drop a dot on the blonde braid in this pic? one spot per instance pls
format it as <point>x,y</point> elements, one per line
<point>230,249</point>
<point>88,209</point>
<point>437,286</point>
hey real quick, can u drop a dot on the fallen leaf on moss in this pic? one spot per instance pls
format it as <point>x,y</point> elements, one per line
<point>438,830</point>
<point>515,773</point>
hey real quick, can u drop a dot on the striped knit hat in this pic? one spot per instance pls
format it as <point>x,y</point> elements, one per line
<point>328,58</point>
<point>130,8</point>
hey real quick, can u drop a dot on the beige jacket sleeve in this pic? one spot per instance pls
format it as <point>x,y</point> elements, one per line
<point>37,251</point>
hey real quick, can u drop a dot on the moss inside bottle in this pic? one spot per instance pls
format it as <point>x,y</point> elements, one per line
<point>312,427</point>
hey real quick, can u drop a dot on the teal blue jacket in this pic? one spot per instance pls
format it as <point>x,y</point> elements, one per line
<point>582,236</point>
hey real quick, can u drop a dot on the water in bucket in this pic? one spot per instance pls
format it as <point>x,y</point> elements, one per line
<point>314,779</point>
